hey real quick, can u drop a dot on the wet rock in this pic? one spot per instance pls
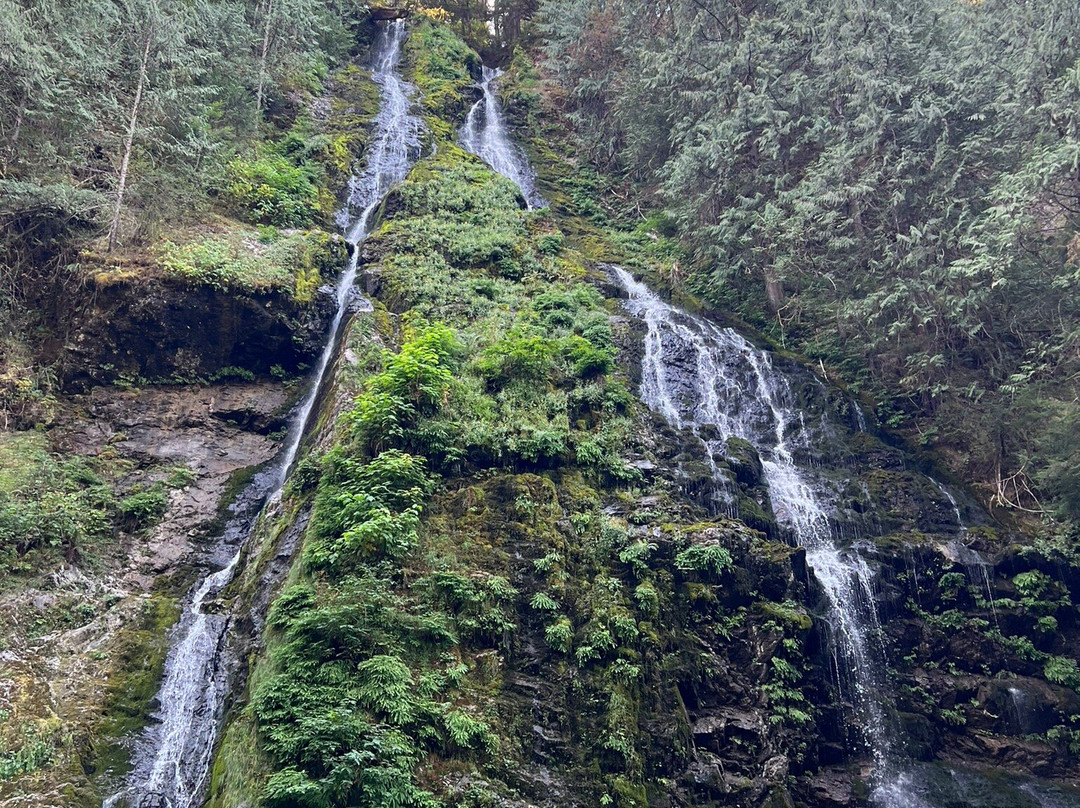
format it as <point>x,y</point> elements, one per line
<point>775,768</point>
<point>164,427</point>
<point>832,789</point>
<point>706,772</point>
<point>745,462</point>
<point>166,329</point>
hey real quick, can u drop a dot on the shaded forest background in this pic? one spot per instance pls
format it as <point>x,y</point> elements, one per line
<point>890,188</point>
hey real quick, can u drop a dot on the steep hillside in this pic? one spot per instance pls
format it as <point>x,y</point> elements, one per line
<point>518,521</point>
<point>515,588</point>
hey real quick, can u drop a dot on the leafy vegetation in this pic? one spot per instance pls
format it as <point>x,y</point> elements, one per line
<point>881,185</point>
<point>494,382</point>
<point>242,260</point>
<point>489,573</point>
<point>48,506</point>
<point>269,189</point>
<point>443,67</point>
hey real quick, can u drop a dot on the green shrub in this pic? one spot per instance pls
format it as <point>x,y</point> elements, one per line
<point>213,262</point>
<point>466,732</point>
<point>541,601</point>
<point>482,605</point>
<point>587,361</point>
<point>292,788</point>
<point>268,189</point>
<point>549,243</point>
<point>518,356</point>
<point>34,753</point>
<point>560,635</point>
<point>386,688</point>
<point>1031,584</point>
<point>415,382</point>
<point>711,559</point>
<point>1062,671</point>
<point>144,507</point>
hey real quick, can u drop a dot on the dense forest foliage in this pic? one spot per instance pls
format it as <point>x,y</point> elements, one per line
<point>118,116</point>
<point>891,187</point>
<point>123,122</point>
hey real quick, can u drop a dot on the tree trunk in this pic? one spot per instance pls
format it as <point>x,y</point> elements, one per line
<point>129,143</point>
<point>17,128</point>
<point>263,56</point>
<point>774,290</point>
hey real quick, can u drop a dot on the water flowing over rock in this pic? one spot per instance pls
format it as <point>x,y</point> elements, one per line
<point>712,381</point>
<point>172,758</point>
<point>484,134</point>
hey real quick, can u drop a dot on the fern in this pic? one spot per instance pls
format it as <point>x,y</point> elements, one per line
<point>386,687</point>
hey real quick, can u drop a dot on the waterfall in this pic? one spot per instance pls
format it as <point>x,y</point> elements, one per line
<point>972,561</point>
<point>484,134</point>
<point>709,379</point>
<point>171,760</point>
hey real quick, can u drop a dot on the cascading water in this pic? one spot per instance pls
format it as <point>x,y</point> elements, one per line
<point>972,561</point>
<point>710,380</point>
<point>484,134</point>
<point>171,760</point>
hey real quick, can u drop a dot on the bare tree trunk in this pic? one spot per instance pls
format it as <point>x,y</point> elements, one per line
<point>263,56</point>
<point>774,290</point>
<point>114,226</point>
<point>13,139</point>
<point>18,126</point>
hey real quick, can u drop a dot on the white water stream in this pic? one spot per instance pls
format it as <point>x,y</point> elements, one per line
<point>709,379</point>
<point>171,760</point>
<point>484,134</point>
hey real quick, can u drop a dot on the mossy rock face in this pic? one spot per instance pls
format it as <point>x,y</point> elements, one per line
<point>514,576</point>
<point>342,117</point>
<point>744,461</point>
<point>901,500</point>
<point>787,615</point>
<point>167,331</point>
<point>920,735</point>
<point>132,688</point>
<point>443,68</point>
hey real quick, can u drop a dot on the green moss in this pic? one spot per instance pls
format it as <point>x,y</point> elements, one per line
<point>21,455</point>
<point>354,102</point>
<point>787,614</point>
<point>240,259</point>
<point>442,67</point>
<point>139,663</point>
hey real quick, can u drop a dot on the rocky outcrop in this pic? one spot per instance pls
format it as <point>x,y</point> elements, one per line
<point>383,13</point>
<point>169,330</point>
<point>83,647</point>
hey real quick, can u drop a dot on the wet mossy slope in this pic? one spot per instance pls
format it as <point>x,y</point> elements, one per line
<point>499,597</point>
<point>509,590</point>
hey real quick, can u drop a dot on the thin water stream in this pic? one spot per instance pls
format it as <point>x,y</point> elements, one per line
<point>978,569</point>
<point>484,134</point>
<point>171,759</point>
